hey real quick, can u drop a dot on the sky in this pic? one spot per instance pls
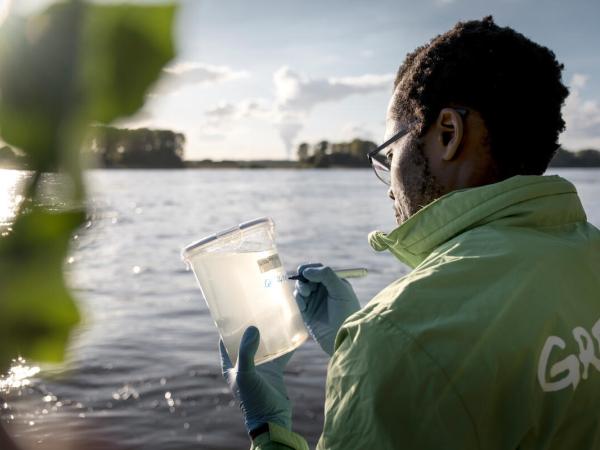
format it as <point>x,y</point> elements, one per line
<point>253,79</point>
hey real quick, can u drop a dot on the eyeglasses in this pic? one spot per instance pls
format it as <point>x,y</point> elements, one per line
<point>381,162</point>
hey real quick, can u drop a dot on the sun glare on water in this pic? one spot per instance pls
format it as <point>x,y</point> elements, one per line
<point>18,376</point>
<point>9,198</point>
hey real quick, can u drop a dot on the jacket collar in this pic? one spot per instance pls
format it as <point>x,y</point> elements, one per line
<point>522,200</point>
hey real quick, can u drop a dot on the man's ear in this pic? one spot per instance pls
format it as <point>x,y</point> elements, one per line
<point>450,126</point>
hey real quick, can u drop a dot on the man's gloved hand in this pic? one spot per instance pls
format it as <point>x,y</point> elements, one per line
<point>260,390</point>
<point>325,301</point>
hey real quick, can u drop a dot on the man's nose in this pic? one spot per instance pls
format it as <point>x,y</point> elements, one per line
<point>391,194</point>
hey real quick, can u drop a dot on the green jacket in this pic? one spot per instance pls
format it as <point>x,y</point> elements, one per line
<point>491,342</point>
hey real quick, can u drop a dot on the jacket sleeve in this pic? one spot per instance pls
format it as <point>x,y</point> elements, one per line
<point>279,438</point>
<point>384,391</point>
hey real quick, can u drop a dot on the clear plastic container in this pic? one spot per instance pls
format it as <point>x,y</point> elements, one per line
<point>244,283</point>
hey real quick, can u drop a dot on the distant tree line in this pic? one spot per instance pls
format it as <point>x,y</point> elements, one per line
<point>327,154</point>
<point>140,148</point>
<point>582,158</point>
<point>112,147</point>
<point>354,154</point>
<point>147,148</point>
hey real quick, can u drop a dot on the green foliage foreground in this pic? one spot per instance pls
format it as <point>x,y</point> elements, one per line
<point>60,71</point>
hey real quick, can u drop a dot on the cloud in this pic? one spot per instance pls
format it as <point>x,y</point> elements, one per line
<point>297,92</point>
<point>295,97</point>
<point>188,74</point>
<point>582,116</point>
<point>357,130</point>
<point>252,108</point>
<point>223,110</point>
<point>579,80</point>
<point>223,117</point>
<point>256,108</point>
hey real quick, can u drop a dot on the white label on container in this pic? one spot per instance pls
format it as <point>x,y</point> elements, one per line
<point>269,263</point>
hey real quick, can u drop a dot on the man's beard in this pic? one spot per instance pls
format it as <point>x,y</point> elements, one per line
<point>419,186</point>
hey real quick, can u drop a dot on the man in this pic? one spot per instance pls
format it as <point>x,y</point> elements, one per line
<point>493,340</point>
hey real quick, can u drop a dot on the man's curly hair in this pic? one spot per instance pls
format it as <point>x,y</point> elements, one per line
<point>514,83</point>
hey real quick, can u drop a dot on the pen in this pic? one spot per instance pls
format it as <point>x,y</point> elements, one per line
<point>355,272</point>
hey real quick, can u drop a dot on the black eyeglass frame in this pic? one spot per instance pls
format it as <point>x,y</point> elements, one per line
<point>462,111</point>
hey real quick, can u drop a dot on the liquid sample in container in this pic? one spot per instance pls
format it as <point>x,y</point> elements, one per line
<point>247,287</point>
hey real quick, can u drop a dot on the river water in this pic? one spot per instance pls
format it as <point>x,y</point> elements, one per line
<point>143,368</point>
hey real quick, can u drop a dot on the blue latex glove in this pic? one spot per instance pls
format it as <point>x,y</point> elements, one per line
<point>325,302</point>
<point>260,390</point>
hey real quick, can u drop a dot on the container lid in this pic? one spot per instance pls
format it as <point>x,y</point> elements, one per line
<point>244,226</point>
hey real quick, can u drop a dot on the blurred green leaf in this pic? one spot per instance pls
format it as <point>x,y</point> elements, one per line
<point>126,48</point>
<point>60,71</point>
<point>37,311</point>
<point>38,81</point>
<point>74,64</point>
